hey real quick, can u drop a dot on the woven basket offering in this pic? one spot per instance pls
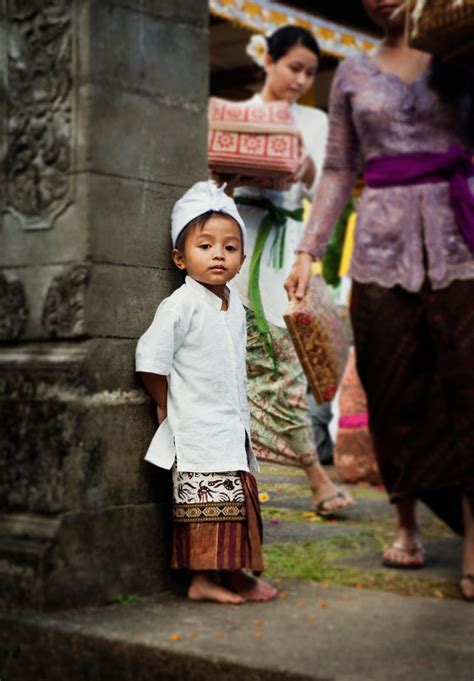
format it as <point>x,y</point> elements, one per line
<point>354,456</point>
<point>443,27</point>
<point>320,339</point>
<point>253,139</point>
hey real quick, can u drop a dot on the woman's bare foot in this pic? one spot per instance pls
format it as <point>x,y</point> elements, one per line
<point>203,588</point>
<point>467,587</point>
<point>249,587</point>
<point>406,551</point>
<point>327,498</point>
<point>467,581</point>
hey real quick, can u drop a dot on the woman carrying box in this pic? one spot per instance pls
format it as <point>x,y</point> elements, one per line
<point>281,425</point>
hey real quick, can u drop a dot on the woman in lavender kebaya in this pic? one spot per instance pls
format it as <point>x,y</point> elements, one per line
<point>404,119</point>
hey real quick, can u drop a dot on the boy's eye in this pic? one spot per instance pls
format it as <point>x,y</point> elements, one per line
<point>204,246</point>
<point>231,249</point>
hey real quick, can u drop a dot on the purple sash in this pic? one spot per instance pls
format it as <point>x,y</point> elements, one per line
<point>454,166</point>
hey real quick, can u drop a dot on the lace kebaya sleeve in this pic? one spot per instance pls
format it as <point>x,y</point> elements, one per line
<point>339,171</point>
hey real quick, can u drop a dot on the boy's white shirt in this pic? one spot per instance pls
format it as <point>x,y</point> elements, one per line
<point>201,350</point>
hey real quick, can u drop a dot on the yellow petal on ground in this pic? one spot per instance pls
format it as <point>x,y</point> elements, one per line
<point>258,634</point>
<point>308,514</point>
<point>219,634</point>
<point>438,594</point>
<point>175,637</point>
<point>257,623</point>
<point>263,497</point>
<point>283,594</point>
<point>311,618</point>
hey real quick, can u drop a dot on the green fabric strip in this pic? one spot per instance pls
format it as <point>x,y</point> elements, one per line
<point>333,255</point>
<point>274,217</point>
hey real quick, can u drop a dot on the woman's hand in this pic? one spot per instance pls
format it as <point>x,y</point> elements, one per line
<point>231,180</point>
<point>306,172</point>
<point>297,282</point>
<point>234,180</point>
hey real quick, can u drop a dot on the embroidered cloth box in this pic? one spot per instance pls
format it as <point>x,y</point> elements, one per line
<point>354,456</point>
<point>443,27</point>
<point>320,339</point>
<point>253,139</point>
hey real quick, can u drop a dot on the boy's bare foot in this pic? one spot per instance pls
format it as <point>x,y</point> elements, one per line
<point>203,588</point>
<point>249,587</point>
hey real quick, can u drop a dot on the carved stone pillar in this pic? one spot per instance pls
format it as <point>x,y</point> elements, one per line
<point>102,127</point>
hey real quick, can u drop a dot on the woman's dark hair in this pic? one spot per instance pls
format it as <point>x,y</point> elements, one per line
<point>455,85</point>
<point>281,42</point>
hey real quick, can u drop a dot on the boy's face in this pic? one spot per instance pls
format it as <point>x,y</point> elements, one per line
<point>212,254</point>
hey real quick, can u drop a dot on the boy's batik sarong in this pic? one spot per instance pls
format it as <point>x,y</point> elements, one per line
<point>217,523</point>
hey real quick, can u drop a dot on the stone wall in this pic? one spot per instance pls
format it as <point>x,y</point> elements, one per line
<point>102,124</point>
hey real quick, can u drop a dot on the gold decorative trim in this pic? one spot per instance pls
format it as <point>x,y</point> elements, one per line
<point>264,16</point>
<point>209,512</point>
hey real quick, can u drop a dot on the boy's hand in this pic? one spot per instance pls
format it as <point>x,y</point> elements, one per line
<point>157,386</point>
<point>161,414</point>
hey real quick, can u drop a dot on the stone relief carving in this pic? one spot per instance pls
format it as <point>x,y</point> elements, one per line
<point>40,110</point>
<point>13,308</point>
<point>63,311</point>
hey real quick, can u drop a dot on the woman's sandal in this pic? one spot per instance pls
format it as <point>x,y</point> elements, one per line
<point>410,552</point>
<point>470,578</point>
<point>324,512</point>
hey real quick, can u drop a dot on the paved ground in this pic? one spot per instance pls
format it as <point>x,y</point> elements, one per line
<point>347,551</point>
<point>339,615</point>
<point>313,630</point>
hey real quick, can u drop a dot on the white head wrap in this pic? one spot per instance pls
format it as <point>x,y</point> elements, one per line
<point>201,198</point>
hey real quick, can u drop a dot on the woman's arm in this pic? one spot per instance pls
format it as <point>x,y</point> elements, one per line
<point>313,124</point>
<point>334,189</point>
<point>157,386</point>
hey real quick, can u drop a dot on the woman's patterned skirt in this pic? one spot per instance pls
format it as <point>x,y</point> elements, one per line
<point>415,358</point>
<point>282,431</point>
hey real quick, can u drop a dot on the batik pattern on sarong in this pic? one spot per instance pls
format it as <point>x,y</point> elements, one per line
<point>206,497</point>
<point>281,425</point>
<point>224,532</point>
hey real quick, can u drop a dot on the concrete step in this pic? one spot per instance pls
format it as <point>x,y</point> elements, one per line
<point>310,632</point>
